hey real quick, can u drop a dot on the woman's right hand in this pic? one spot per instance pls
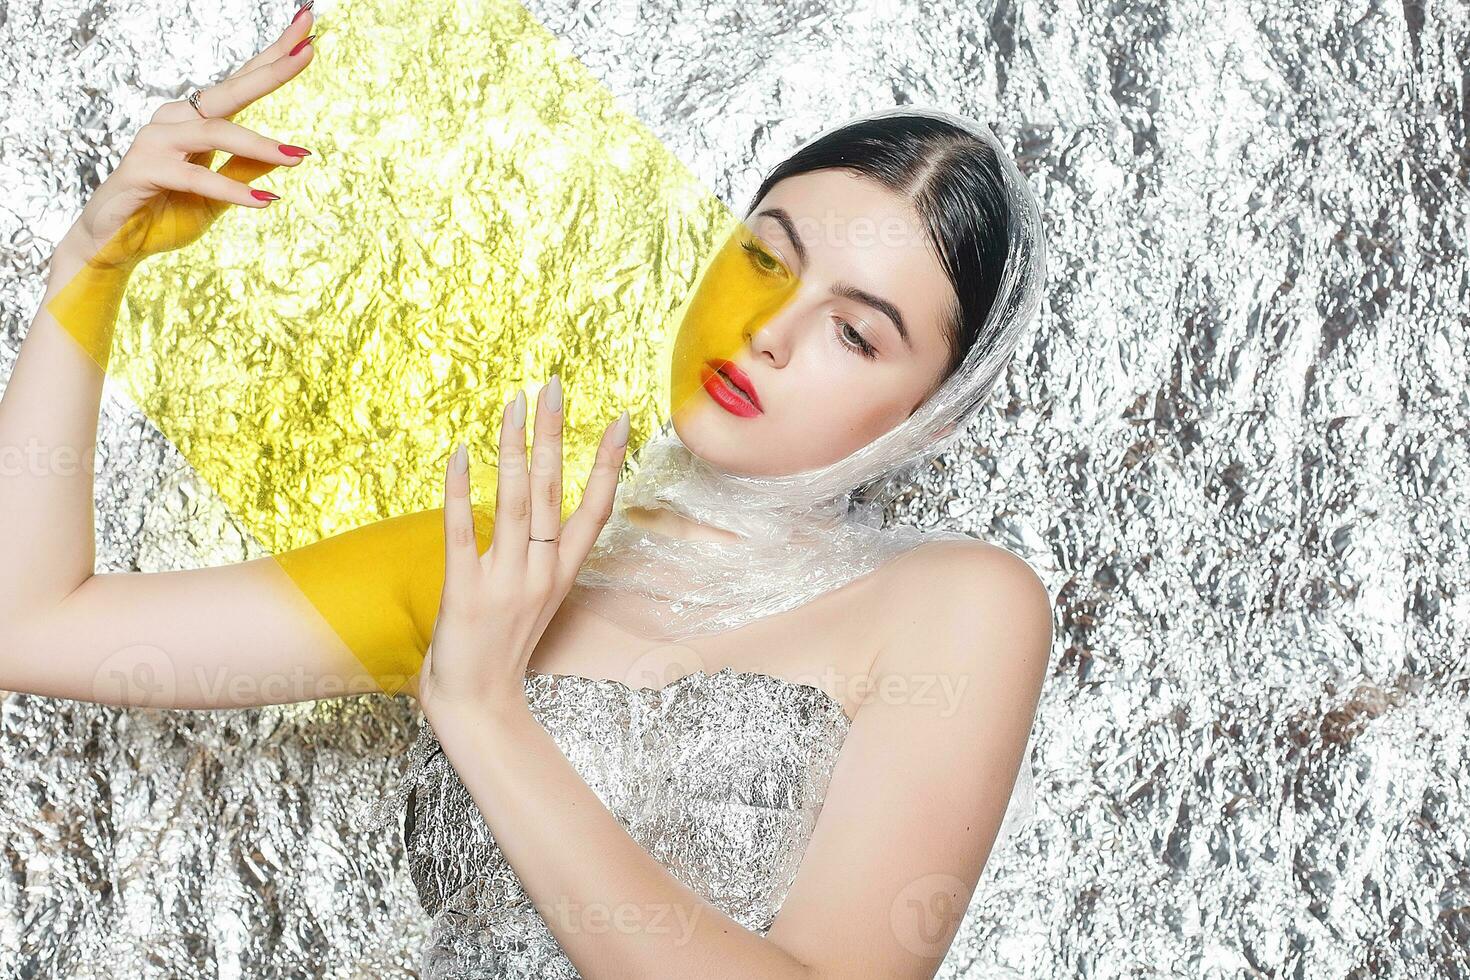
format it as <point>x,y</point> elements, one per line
<point>163,194</point>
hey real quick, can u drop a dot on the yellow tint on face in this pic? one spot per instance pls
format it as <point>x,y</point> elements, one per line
<point>744,285</point>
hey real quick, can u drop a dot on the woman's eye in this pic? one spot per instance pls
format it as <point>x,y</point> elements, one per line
<point>857,342</point>
<point>765,260</point>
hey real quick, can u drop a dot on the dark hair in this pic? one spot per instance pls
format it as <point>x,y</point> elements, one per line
<point>953,181</point>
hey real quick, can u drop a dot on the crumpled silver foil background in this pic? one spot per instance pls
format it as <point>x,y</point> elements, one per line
<point>1236,451</point>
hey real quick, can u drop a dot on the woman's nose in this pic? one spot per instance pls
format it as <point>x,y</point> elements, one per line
<point>776,337</point>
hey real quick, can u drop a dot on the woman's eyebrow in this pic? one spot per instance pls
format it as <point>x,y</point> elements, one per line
<point>849,291</point>
<point>846,290</point>
<point>789,226</point>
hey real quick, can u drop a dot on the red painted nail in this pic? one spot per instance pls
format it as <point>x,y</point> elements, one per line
<point>302,43</point>
<point>293,151</point>
<point>264,195</point>
<point>304,8</point>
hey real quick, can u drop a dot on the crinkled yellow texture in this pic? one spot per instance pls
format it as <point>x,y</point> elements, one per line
<point>478,213</point>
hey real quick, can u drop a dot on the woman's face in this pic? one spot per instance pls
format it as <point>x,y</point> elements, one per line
<point>831,305</point>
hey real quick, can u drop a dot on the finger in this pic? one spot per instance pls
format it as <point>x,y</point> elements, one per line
<point>252,155</point>
<point>244,169</point>
<point>461,556</point>
<point>299,27</point>
<point>197,135</point>
<point>546,470</point>
<point>278,51</point>
<point>184,176</point>
<point>228,97</point>
<point>580,532</point>
<point>512,499</point>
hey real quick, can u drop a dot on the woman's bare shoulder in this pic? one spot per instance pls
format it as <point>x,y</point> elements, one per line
<point>962,563</point>
<point>968,584</point>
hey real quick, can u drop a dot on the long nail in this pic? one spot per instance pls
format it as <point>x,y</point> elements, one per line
<point>553,393</point>
<point>302,43</point>
<point>304,8</point>
<point>260,195</point>
<point>461,459</point>
<point>620,429</point>
<point>518,415</point>
<point>293,151</point>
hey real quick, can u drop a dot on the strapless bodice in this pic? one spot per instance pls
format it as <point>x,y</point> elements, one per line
<point>720,776</point>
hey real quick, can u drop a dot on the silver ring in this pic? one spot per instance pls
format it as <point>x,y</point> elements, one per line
<point>534,538</point>
<point>194,101</point>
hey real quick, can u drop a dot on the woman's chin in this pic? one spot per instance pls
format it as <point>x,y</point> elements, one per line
<point>726,444</point>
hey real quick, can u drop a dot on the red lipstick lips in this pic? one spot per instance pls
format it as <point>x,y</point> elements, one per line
<point>731,388</point>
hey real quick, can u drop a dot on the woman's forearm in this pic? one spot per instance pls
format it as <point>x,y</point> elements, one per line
<point>376,586</point>
<point>614,909</point>
<point>48,434</point>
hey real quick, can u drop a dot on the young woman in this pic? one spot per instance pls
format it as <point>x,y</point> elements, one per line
<point>563,817</point>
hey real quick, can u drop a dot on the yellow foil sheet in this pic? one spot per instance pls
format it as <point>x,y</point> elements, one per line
<point>478,213</point>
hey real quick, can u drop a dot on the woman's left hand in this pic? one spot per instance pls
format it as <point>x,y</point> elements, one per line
<point>494,607</point>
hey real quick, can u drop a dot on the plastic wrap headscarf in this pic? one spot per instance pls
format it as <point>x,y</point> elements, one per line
<point>804,534</point>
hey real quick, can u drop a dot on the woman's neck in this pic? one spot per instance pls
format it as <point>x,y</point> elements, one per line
<point>670,523</point>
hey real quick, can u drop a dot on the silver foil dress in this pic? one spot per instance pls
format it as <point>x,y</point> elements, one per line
<point>720,776</point>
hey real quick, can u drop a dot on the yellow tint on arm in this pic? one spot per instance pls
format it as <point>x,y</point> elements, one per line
<point>85,304</point>
<point>378,586</point>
